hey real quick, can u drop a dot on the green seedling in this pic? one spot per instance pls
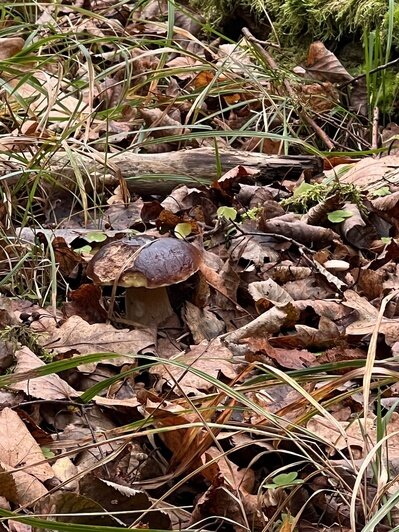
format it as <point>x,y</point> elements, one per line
<point>380,192</point>
<point>84,249</point>
<point>228,213</point>
<point>336,217</point>
<point>284,480</point>
<point>95,236</point>
<point>183,230</point>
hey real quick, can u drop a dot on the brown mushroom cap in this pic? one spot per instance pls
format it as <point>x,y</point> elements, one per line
<point>157,263</point>
<point>108,263</point>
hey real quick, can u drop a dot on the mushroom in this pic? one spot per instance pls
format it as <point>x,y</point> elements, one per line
<point>145,268</point>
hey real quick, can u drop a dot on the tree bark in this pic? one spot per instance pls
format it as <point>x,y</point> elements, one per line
<point>158,173</point>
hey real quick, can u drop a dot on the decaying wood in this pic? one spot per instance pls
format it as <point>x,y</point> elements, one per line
<point>160,173</point>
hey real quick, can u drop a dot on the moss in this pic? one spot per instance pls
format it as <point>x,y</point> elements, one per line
<point>317,19</point>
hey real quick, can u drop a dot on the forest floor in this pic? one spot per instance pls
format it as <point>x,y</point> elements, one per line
<point>199,282</point>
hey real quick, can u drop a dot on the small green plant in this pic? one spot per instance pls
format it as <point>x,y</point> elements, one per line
<point>183,230</point>
<point>21,335</point>
<point>380,192</point>
<point>251,214</point>
<point>382,85</point>
<point>308,195</point>
<point>336,217</point>
<point>227,213</point>
<point>284,480</point>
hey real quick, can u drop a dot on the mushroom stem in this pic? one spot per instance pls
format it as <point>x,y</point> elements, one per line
<point>147,306</point>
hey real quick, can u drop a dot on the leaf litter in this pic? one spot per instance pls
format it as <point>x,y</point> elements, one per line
<point>242,406</point>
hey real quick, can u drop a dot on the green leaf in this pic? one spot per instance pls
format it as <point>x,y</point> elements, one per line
<point>228,213</point>
<point>47,453</point>
<point>339,216</point>
<point>383,191</point>
<point>182,230</point>
<point>84,249</point>
<point>386,239</point>
<point>302,189</point>
<point>95,236</point>
<point>285,478</point>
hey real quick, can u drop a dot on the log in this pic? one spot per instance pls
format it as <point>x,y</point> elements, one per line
<point>158,173</point>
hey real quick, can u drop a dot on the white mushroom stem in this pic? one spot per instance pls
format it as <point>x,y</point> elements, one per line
<point>147,306</point>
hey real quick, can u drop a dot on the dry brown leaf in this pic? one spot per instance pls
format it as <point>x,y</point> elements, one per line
<point>10,46</point>
<point>237,175</point>
<point>72,504</point>
<point>388,208</point>
<point>389,137</point>
<point>211,358</point>
<point>257,248</point>
<point>242,479</point>
<point>67,259</point>
<point>165,126</point>
<point>77,336</point>
<point>183,67</point>
<point>312,287</point>
<point>17,526</point>
<point>268,323</point>
<point>260,349</point>
<point>17,449</point>
<point>220,501</point>
<point>50,387</point>
<point>320,97</point>
<point>126,499</point>
<point>367,319</point>
<point>51,100</point>
<point>20,487</point>
<point>184,443</point>
<point>86,303</point>
<point>370,283</point>
<point>122,217</point>
<point>64,469</point>
<point>203,324</point>
<point>354,431</point>
<point>337,354</point>
<point>323,65</point>
<point>292,227</point>
<point>181,198</point>
<point>355,230</point>
<point>327,335</point>
<point>333,310</point>
<point>283,273</point>
<point>369,174</point>
<point>268,293</point>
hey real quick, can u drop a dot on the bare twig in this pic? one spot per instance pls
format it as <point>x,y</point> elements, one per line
<point>374,135</point>
<point>364,74</point>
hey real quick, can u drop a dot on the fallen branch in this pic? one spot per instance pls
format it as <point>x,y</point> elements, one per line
<point>159,173</point>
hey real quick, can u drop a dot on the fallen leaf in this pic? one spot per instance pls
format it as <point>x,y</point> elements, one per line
<point>77,336</point>
<point>211,358</point>
<point>50,387</point>
<point>86,303</point>
<point>19,449</point>
<point>323,65</point>
<point>71,504</point>
<point>367,318</point>
<point>10,46</point>
<point>260,349</point>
